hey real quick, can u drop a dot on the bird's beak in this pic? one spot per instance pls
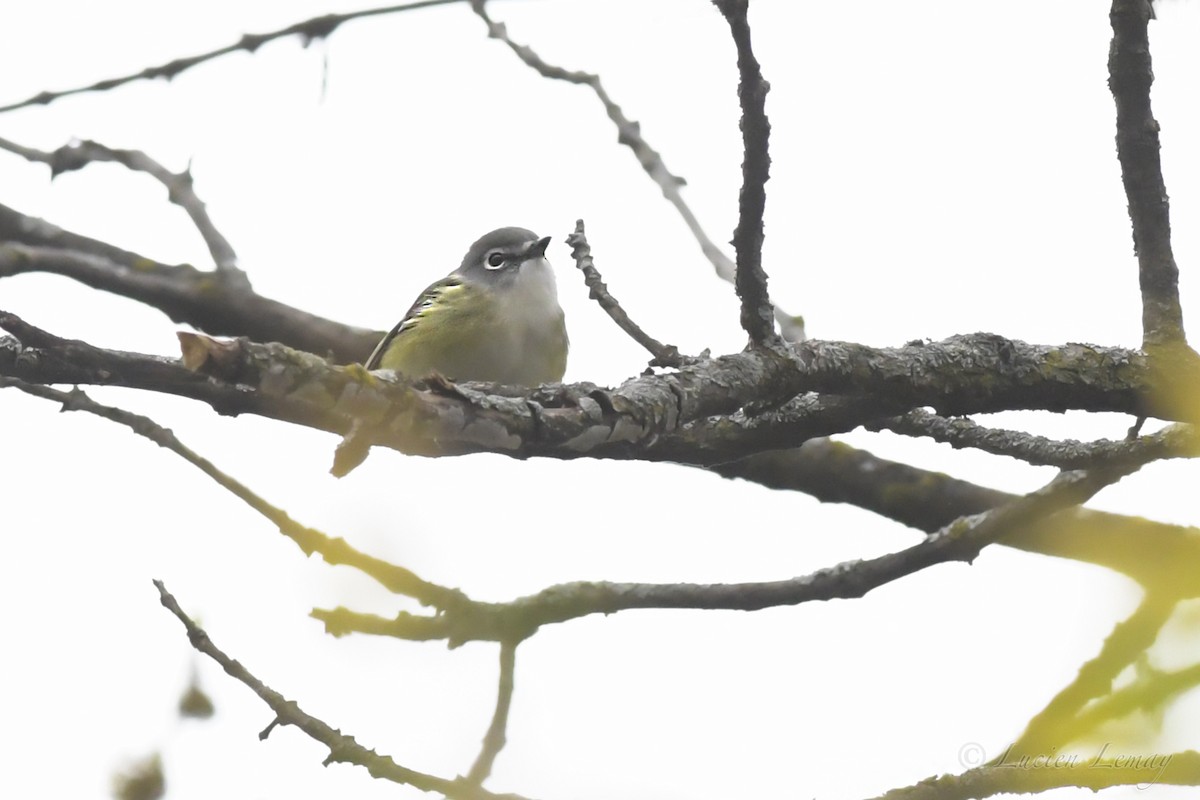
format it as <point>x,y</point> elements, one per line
<point>537,249</point>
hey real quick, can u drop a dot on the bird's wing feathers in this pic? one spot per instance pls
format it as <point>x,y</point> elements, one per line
<point>442,290</point>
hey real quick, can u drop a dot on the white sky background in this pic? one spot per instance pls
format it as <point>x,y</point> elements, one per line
<point>937,169</point>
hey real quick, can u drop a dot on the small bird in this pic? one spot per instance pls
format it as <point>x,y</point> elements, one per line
<point>496,318</point>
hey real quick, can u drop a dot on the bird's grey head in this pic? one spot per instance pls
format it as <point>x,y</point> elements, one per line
<point>496,257</point>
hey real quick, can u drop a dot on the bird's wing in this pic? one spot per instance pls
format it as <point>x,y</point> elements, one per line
<point>427,300</point>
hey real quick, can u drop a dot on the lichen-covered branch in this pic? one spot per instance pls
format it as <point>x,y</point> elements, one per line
<point>1129,79</point>
<point>1179,441</point>
<point>705,413</point>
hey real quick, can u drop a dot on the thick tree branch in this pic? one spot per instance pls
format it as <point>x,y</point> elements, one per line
<point>309,30</point>
<point>751,280</point>
<point>220,303</point>
<point>180,191</point>
<point>343,749</point>
<point>665,355</point>
<point>1152,553</point>
<point>652,417</point>
<point>1129,79</point>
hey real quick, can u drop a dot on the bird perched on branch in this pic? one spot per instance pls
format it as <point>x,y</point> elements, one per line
<point>495,318</point>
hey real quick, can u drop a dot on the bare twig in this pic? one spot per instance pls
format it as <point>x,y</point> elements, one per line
<point>76,155</point>
<point>332,550</point>
<point>629,133</point>
<point>1178,441</point>
<point>309,30</point>
<point>495,739</point>
<point>751,280</point>
<point>665,355</point>
<point>343,749</point>
<point>1129,79</point>
<point>1056,724</point>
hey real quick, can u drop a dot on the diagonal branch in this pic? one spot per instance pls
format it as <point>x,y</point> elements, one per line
<point>219,303</point>
<point>343,749</point>
<point>334,551</point>
<point>962,540</point>
<point>1129,79</point>
<point>665,355</point>
<point>751,280</point>
<point>1057,724</point>
<point>76,155</point>
<point>1151,553</point>
<point>309,30</point>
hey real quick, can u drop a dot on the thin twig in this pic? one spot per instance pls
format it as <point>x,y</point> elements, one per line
<point>180,191</point>
<point>629,133</point>
<point>1177,441</point>
<point>665,355</point>
<point>495,739</point>
<point>751,280</point>
<point>343,749</point>
<point>1055,725</point>
<point>309,30</point>
<point>332,550</point>
<point>1130,76</point>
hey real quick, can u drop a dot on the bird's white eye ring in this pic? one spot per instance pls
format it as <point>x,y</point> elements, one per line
<point>494,260</point>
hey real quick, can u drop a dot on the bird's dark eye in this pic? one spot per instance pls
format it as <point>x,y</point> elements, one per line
<point>495,259</point>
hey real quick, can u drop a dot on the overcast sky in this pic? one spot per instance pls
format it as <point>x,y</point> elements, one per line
<point>937,169</point>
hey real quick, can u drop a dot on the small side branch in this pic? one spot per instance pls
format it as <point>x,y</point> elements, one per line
<point>334,550</point>
<point>342,748</point>
<point>77,155</point>
<point>751,280</point>
<point>495,739</point>
<point>665,355</point>
<point>1129,79</point>
<point>1178,441</point>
